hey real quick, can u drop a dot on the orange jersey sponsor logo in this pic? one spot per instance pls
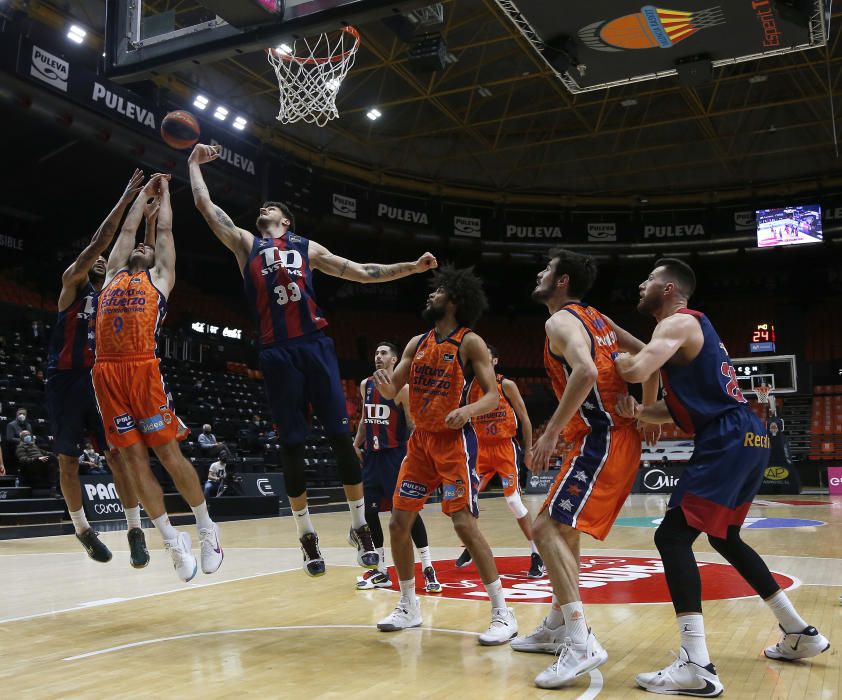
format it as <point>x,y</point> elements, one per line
<point>496,424</point>
<point>436,380</point>
<point>131,311</point>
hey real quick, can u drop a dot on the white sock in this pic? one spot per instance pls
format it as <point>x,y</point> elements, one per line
<point>533,547</point>
<point>691,630</point>
<point>381,552</point>
<point>203,521</point>
<point>408,591</point>
<point>574,621</point>
<point>555,618</point>
<point>80,522</point>
<point>357,513</point>
<point>168,532</point>
<point>495,593</point>
<point>133,516</point>
<point>783,609</point>
<point>302,522</point>
<point>426,559</point>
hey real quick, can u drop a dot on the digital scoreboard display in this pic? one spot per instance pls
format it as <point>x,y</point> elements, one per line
<point>762,338</point>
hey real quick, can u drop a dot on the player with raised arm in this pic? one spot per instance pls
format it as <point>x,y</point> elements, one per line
<point>599,471</point>
<point>130,390</point>
<point>71,404</point>
<point>380,442</point>
<point>297,359</point>
<point>438,365</point>
<point>730,454</point>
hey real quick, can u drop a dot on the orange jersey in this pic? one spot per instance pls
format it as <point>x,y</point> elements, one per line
<point>501,423</point>
<point>131,311</point>
<point>601,404</point>
<point>436,380</point>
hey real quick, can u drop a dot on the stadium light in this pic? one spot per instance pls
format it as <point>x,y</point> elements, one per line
<point>284,49</point>
<point>201,101</point>
<point>374,114</point>
<point>240,123</point>
<point>221,113</point>
<point>76,33</point>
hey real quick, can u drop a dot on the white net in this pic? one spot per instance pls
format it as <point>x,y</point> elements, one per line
<point>310,73</point>
<point>762,392</point>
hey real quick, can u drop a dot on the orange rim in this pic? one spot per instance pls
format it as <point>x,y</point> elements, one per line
<point>319,61</point>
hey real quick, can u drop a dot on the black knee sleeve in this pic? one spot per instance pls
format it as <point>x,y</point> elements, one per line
<point>372,519</point>
<point>292,465</point>
<point>674,539</point>
<point>419,534</point>
<point>746,561</point>
<point>347,463</point>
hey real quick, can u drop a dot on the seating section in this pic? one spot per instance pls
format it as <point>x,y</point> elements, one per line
<point>826,423</point>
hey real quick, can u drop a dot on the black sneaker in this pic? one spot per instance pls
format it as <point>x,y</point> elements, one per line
<point>360,538</point>
<point>536,567</point>
<point>138,553</point>
<point>96,550</point>
<point>431,583</point>
<point>464,559</point>
<point>314,565</point>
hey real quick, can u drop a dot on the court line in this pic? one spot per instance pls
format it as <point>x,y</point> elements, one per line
<point>593,690</point>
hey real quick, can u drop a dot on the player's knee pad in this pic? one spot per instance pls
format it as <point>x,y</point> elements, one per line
<point>516,505</point>
<point>292,464</point>
<point>347,463</point>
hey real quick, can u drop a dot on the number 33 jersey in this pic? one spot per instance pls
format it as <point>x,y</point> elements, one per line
<point>130,313</point>
<point>278,283</point>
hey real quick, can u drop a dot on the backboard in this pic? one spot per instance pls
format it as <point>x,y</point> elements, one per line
<point>776,371</point>
<point>143,37</point>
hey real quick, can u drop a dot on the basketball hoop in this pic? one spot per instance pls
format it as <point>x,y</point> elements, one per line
<point>763,391</point>
<point>310,73</point>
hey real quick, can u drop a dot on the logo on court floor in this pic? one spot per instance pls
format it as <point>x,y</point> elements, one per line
<point>750,523</point>
<point>603,580</point>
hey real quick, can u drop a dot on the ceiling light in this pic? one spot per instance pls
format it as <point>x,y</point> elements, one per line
<point>630,102</point>
<point>201,101</point>
<point>757,79</point>
<point>284,48</point>
<point>374,114</point>
<point>484,91</point>
<point>333,84</point>
<point>240,123</point>
<point>221,113</point>
<point>76,33</point>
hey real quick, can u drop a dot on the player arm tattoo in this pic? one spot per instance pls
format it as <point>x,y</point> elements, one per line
<point>384,273</point>
<point>223,218</point>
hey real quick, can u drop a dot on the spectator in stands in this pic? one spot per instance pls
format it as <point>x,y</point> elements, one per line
<point>16,427</point>
<point>40,382</point>
<point>38,467</point>
<point>216,475</point>
<point>90,462</point>
<point>209,445</point>
<point>253,434</point>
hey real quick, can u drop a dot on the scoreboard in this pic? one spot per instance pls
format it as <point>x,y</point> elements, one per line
<point>762,338</point>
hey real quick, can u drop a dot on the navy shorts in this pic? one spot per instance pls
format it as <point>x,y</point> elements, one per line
<point>298,374</point>
<point>380,475</point>
<point>72,410</point>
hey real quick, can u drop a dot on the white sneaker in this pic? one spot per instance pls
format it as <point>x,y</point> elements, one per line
<point>503,627</point>
<point>798,645</point>
<point>211,549</point>
<point>543,640</point>
<point>573,661</point>
<point>683,677</point>
<point>404,616</point>
<point>183,560</point>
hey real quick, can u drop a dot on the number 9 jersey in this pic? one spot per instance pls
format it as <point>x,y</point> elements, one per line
<point>278,283</point>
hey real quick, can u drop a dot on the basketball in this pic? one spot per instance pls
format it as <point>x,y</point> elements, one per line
<point>180,129</point>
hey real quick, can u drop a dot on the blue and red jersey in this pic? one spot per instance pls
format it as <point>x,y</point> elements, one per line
<point>278,283</point>
<point>706,388</point>
<point>385,422</point>
<point>69,346</point>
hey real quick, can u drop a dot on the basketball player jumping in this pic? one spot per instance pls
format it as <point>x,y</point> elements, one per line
<point>600,467</point>
<point>442,449</point>
<point>297,359</point>
<point>500,453</point>
<point>135,407</point>
<point>702,396</point>
<point>71,404</point>
<point>381,444</point>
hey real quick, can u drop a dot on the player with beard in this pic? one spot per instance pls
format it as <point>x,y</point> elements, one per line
<point>297,359</point>
<point>442,451</point>
<point>731,451</point>
<point>71,404</point>
<point>601,465</point>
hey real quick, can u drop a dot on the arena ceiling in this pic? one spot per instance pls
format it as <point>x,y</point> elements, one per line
<point>497,119</point>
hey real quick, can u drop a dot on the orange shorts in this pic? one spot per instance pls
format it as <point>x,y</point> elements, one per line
<point>500,457</point>
<point>134,403</point>
<point>446,459</point>
<point>595,480</point>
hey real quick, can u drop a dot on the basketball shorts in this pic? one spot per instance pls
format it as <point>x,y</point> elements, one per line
<point>500,457</point>
<point>134,404</point>
<point>433,459</point>
<point>73,413</point>
<point>595,480</point>
<point>380,476</point>
<point>725,472</point>
<point>299,374</point>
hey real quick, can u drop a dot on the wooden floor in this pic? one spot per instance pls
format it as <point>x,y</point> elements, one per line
<point>71,628</point>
